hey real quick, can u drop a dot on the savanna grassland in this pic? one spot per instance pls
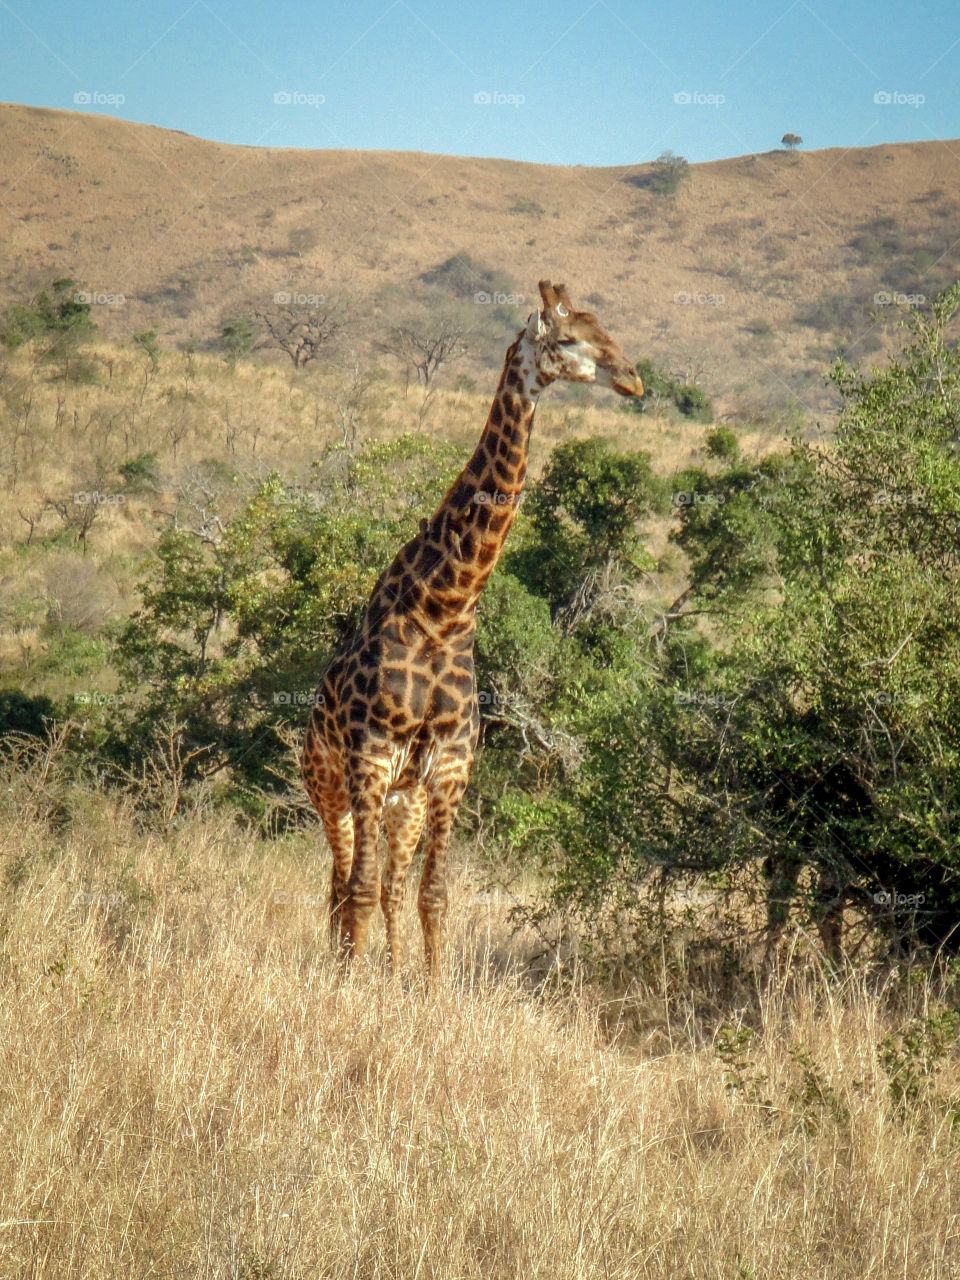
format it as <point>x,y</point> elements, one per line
<point>699,1013</point>
<point>190,1088</point>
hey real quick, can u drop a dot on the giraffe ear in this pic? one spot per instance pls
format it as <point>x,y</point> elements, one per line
<point>563,299</point>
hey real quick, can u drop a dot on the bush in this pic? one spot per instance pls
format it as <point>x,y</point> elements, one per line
<point>65,314</point>
<point>660,387</point>
<point>760,327</point>
<point>24,713</point>
<point>667,173</point>
<point>722,444</point>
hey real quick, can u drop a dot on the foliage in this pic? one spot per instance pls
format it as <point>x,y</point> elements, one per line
<point>64,312</point>
<point>235,625</point>
<point>836,719</point>
<point>238,336</point>
<point>24,713</point>
<point>141,474</point>
<point>465,277</point>
<point>912,1056</point>
<point>667,173</point>
<point>722,444</point>
<point>584,514</point>
<point>148,342</point>
<point>791,141</point>
<point>660,388</point>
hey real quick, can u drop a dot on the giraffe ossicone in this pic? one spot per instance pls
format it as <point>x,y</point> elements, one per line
<point>393,731</point>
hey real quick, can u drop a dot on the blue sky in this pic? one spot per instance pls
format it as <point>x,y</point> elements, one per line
<point>565,82</point>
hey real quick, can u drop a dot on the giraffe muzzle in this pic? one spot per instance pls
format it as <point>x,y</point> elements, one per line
<point>627,384</point>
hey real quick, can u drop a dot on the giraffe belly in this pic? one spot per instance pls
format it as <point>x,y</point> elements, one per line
<point>411,764</point>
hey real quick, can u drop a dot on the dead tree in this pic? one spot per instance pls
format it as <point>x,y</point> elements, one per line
<point>424,348</point>
<point>298,331</point>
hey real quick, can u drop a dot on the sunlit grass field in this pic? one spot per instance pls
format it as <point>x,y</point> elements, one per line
<point>191,1088</point>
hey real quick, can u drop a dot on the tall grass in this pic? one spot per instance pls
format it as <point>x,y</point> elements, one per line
<point>189,1088</point>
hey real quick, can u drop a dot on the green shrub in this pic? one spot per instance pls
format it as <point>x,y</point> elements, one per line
<point>660,387</point>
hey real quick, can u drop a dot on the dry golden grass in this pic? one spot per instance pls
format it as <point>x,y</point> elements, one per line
<point>190,1089</point>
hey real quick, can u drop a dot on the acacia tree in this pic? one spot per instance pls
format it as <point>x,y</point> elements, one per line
<point>300,332</point>
<point>791,141</point>
<point>426,348</point>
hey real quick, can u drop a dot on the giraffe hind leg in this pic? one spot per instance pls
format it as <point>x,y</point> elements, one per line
<point>327,789</point>
<point>442,805</point>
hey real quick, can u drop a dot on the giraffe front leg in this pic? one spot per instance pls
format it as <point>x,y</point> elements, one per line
<point>368,790</point>
<point>403,819</point>
<point>442,805</point>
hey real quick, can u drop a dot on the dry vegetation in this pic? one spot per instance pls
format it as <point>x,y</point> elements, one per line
<point>781,253</point>
<point>213,430</point>
<point>190,1089</point>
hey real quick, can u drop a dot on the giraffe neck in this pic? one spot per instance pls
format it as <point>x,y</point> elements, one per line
<point>474,518</point>
<point>437,578</point>
<point>498,465</point>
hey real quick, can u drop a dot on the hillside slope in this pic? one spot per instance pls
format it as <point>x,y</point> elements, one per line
<point>747,278</point>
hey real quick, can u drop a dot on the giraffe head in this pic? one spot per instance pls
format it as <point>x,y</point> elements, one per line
<point>571,346</point>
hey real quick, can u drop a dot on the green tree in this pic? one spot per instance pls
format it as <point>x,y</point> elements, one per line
<point>238,616</point>
<point>662,388</point>
<point>238,336</point>
<point>837,576</point>
<point>667,173</point>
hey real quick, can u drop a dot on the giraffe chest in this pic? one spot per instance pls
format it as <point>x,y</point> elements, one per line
<point>407,708</point>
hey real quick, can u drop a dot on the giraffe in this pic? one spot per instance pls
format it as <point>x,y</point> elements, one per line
<point>394,727</point>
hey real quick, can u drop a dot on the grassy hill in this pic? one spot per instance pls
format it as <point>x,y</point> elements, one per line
<point>747,279</point>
